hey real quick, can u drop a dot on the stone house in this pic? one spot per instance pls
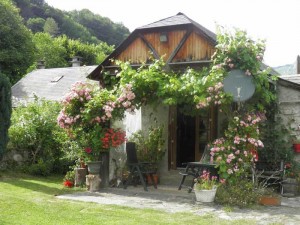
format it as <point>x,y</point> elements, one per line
<point>183,43</point>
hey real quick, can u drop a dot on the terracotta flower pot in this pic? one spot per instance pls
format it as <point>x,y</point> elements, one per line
<point>270,200</point>
<point>155,178</point>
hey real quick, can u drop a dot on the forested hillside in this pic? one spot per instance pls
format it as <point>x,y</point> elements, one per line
<point>30,31</point>
<point>84,25</point>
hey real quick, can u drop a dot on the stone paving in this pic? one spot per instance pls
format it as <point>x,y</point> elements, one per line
<point>171,200</point>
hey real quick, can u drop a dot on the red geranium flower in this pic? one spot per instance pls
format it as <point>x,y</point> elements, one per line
<point>68,184</point>
<point>88,150</point>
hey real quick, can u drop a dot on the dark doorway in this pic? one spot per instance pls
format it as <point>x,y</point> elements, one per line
<point>185,139</point>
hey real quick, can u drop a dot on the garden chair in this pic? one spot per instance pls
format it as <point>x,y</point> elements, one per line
<point>138,169</point>
<point>195,169</point>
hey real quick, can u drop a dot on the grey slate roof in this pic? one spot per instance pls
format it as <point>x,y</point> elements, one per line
<point>295,79</point>
<point>41,82</point>
<point>179,19</point>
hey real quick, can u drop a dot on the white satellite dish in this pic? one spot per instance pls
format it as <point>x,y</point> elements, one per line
<point>239,85</point>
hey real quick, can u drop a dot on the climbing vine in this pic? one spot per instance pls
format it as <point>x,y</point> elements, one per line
<point>203,88</point>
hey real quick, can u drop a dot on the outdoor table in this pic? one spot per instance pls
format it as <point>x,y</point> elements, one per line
<point>195,169</point>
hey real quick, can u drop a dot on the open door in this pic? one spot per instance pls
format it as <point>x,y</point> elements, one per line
<point>188,136</point>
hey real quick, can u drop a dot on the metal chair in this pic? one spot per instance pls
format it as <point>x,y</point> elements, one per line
<point>138,169</point>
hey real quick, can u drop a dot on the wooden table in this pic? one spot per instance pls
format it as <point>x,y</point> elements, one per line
<point>195,169</point>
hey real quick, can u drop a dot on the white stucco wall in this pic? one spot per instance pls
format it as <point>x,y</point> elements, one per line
<point>156,117</point>
<point>117,157</point>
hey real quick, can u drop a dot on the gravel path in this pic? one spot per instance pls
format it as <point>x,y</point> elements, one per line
<point>171,200</point>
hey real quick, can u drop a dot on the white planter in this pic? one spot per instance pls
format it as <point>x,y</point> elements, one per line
<point>205,195</point>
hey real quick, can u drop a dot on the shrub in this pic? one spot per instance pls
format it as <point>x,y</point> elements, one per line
<point>40,168</point>
<point>149,145</point>
<point>34,131</point>
<point>241,194</point>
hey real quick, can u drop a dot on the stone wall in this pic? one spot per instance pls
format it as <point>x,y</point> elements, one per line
<point>289,107</point>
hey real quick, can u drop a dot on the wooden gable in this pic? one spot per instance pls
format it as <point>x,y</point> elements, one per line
<point>187,44</point>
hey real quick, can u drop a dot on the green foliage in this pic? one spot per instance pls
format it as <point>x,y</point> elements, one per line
<point>58,51</point>
<point>241,194</point>
<point>34,130</point>
<point>101,27</point>
<point>51,27</point>
<point>236,50</point>
<point>70,176</point>
<point>35,24</point>
<point>41,168</point>
<point>204,87</point>
<point>16,46</point>
<point>51,50</point>
<point>5,112</point>
<point>149,144</point>
<point>277,139</point>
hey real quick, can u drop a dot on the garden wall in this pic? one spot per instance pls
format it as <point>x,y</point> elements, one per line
<point>289,106</point>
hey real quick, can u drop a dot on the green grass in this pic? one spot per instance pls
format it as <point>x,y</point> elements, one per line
<point>31,200</point>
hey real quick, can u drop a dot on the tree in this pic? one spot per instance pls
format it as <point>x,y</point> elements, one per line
<point>52,52</point>
<point>16,46</point>
<point>36,24</point>
<point>5,112</point>
<point>101,27</point>
<point>58,51</point>
<point>51,27</point>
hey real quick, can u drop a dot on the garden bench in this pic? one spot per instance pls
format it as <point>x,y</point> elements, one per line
<point>270,172</point>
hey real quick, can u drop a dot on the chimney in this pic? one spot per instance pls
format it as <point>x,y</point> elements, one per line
<point>76,61</point>
<point>41,64</point>
<point>298,64</point>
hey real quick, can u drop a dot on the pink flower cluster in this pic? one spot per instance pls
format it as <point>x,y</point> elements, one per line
<point>80,91</point>
<point>65,121</point>
<point>80,94</point>
<point>238,150</point>
<point>126,98</point>
<point>214,96</point>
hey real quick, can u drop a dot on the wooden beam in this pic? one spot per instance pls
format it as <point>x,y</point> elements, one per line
<point>183,40</point>
<point>156,55</point>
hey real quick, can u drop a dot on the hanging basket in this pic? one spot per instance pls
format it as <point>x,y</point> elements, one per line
<point>205,195</point>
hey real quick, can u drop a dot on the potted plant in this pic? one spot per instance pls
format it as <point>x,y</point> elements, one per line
<point>150,147</point>
<point>296,145</point>
<point>289,185</point>
<point>205,187</point>
<point>266,193</point>
<point>69,179</point>
<point>269,197</point>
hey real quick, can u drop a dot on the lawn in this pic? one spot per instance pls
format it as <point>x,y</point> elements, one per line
<point>31,200</point>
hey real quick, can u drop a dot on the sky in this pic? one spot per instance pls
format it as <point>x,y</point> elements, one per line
<point>276,21</point>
